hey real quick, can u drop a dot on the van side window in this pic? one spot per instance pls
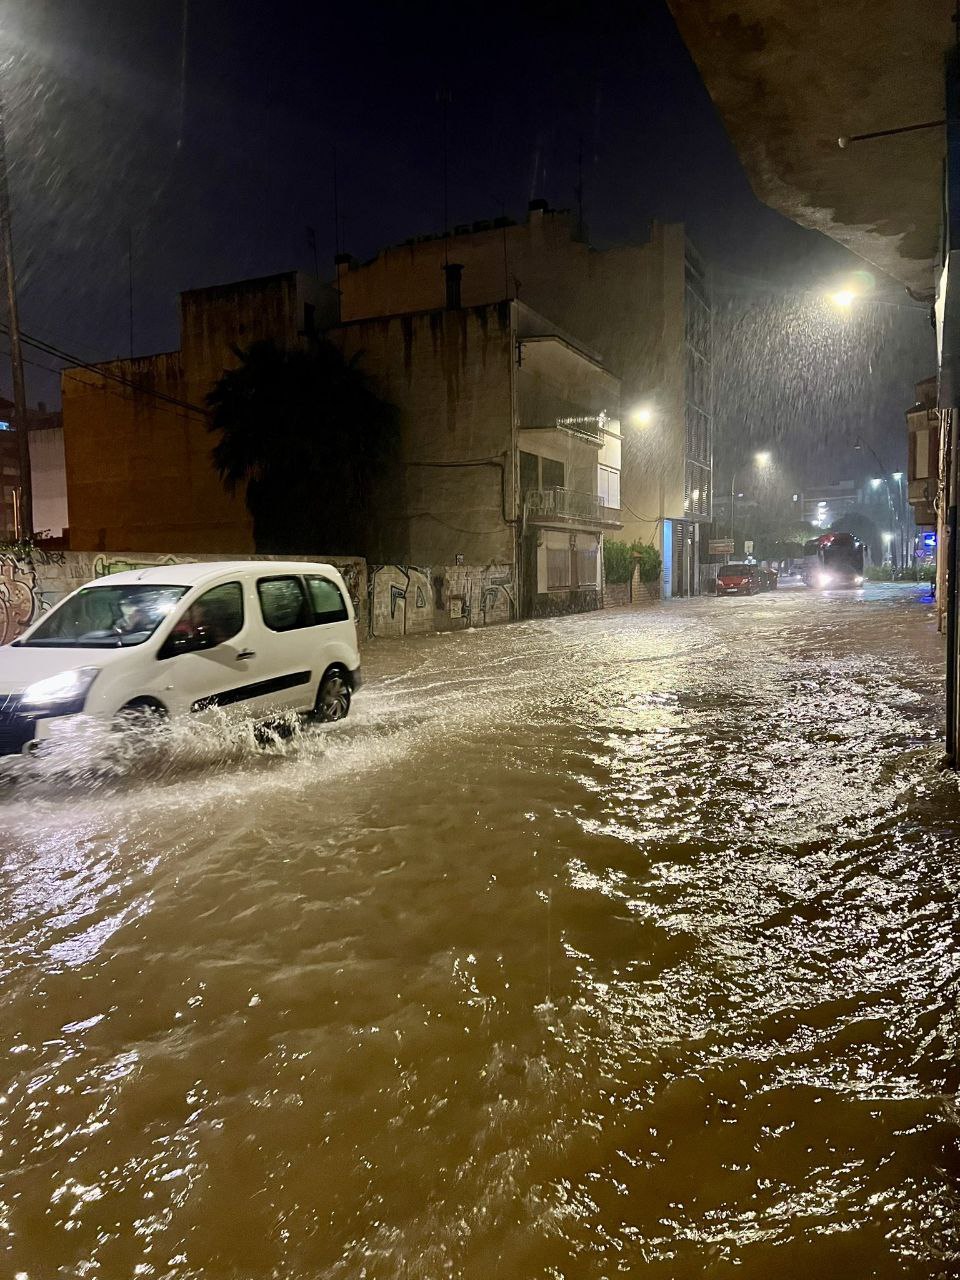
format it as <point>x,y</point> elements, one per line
<point>283,604</point>
<point>326,601</point>
<point>218,613</point>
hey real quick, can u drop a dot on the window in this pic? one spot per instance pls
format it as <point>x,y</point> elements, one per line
<point>283,604</point>
<point>529,472</point>
<point>107,617</point>
<point>552,472</point>
<point>326,601</point>
<point>608,486</point>
<point>921,470</point>
<point>219,612</point>
<point>587,564</point>
<point>558,561</point>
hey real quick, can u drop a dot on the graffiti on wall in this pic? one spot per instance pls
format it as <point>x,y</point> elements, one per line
<point>401,602</point>
<point>405,600</point>
<point>352,573</point>
<point>103,566</point>
<point>480,597</point>
<point>20,597</point>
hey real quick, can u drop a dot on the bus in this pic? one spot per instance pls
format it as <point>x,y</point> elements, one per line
<point>834,560</point>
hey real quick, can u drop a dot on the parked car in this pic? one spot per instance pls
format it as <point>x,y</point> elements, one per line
<point>175,640</point>
<point>768,577</point>
<point>740,579</point>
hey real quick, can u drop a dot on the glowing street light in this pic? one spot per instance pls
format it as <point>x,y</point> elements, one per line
<point>641,416</point>
<point>843,298</point>
<point>763,459</point>
<point>876,482</point>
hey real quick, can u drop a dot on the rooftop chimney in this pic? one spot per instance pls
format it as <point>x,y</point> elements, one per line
<point>452,272</point>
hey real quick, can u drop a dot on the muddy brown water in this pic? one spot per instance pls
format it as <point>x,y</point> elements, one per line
<point>612,945</point>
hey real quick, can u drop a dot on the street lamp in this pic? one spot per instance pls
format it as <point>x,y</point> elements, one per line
<point>897,510</point>
<point>641,416</point>
<point>762,460</point>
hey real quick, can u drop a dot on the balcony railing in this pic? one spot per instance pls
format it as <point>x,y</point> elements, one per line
<point>569,419</point>
<point>568,504</point>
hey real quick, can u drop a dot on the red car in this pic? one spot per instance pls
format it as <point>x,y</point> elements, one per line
<point>738,580</point>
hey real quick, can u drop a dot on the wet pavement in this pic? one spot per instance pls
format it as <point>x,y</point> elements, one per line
<point>621,944</point>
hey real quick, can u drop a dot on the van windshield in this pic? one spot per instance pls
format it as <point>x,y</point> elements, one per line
<point>105,617</point>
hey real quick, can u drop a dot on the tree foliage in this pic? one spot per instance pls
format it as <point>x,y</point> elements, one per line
<point>306,436</point>
<point>648,559</point>
<point>617,561</point>
<point>621,558</point>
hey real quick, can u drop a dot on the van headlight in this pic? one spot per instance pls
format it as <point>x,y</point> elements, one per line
<point>65,692</point>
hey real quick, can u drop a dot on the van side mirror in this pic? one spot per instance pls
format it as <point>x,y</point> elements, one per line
<point>185,638</point>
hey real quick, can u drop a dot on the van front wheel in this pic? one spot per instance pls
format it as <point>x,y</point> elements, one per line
<point>142,713</point>
<point>333,697</point>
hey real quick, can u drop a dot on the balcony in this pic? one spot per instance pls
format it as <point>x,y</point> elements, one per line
<point>569,506</point>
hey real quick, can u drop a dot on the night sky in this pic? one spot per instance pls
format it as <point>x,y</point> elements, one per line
<point>214,152</point>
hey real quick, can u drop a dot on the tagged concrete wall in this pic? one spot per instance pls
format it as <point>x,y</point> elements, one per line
<point>390,601</point>
<point>407,599</point>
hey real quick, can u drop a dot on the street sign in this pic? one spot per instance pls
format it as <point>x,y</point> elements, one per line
<point>720,547</point>
<point>747,548</point>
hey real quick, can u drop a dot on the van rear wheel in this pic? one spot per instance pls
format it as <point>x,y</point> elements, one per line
<point>333,697</point>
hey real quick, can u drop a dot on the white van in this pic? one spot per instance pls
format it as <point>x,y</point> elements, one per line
<point>174,640</point>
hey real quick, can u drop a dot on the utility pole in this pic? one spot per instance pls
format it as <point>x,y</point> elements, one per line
<point>24,508</point>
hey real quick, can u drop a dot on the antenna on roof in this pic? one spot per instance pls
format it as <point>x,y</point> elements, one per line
<point>183,72</point>
<point>578,192</point>
<point>336,228</point>
<point>130,284</point>
<point>443,98</point>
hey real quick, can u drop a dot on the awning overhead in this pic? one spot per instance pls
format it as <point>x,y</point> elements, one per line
<point>789,79</point>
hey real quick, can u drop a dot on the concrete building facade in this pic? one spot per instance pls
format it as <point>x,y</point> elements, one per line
<point>137,451</point>
<point>508,429</point>
<point>45,436</point>
<point>509,450</point>
<point>645,311</point>
<point>923,456</point>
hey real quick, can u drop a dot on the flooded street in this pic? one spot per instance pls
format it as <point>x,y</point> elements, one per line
<point>620,944</point>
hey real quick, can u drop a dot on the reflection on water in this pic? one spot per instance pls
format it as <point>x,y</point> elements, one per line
<point>612,946</point>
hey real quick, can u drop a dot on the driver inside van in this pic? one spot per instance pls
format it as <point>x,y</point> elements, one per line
<point>136,616</point>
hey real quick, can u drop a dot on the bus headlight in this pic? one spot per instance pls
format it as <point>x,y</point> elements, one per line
<point>824,579</point>
<point>858,581</point>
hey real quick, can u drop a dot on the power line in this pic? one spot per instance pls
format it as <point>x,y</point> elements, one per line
<point>74,361</point>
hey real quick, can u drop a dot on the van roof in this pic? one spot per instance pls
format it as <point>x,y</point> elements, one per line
<point>194,574</point>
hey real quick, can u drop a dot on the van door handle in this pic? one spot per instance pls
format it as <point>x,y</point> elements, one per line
<point>245,653</point>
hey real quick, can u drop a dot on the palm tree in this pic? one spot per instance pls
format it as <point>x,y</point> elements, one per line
<point>306,435</point>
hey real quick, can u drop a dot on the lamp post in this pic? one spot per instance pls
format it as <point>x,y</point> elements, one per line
<point>762,460</point>
<point>902,517</point>
<point>884,479</point>
<point>887,539</point>
<point>642,416</point>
